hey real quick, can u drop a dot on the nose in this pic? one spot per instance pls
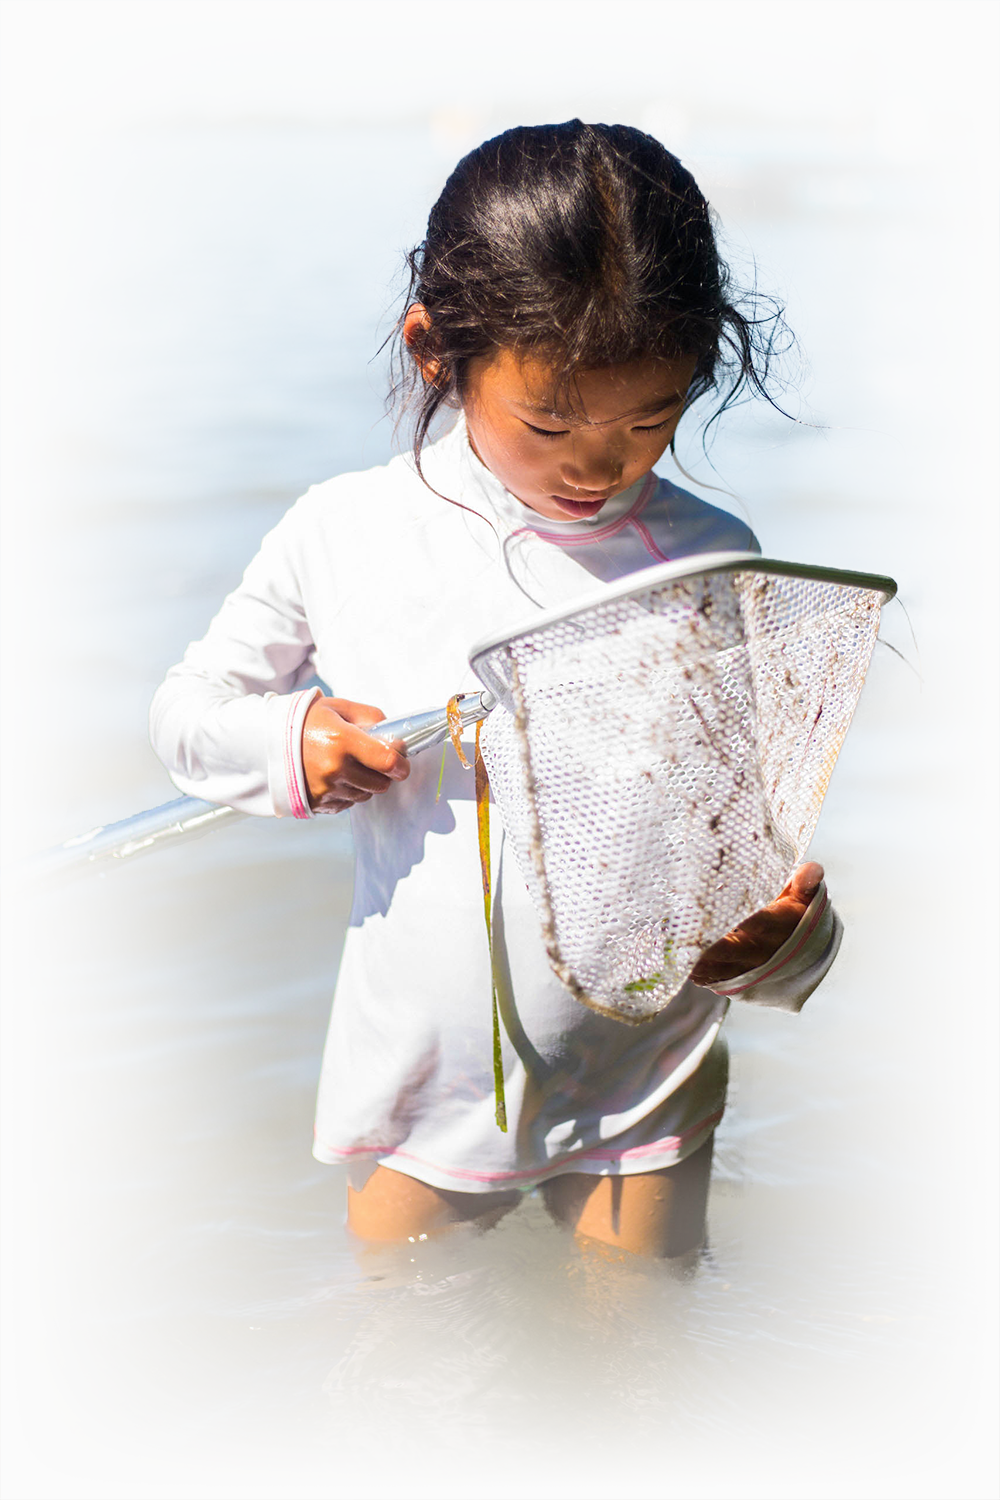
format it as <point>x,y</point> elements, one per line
<point>595,465</point>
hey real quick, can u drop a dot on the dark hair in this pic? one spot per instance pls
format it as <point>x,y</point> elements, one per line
<point>590,244</point>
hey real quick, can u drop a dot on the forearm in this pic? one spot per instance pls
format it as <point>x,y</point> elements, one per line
<point>242,751</point>
<point>227,721</point>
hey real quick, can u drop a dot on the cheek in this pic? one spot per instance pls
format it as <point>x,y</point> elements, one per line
<point>657,444</point>
<point>531,468</point>
<point>513,458</point>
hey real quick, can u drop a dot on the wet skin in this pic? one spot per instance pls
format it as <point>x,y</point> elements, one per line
<point>658,1214</point>
<point>565,455</point>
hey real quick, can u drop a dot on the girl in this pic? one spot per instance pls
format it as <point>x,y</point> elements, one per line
<point>567,306</point>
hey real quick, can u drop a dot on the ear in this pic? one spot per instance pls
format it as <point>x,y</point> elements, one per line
<point>417,337</point>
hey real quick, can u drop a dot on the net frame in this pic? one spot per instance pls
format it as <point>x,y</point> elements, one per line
<point>494,659</point>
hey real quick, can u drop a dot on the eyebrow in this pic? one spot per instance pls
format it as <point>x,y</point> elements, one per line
<point>648,408</point>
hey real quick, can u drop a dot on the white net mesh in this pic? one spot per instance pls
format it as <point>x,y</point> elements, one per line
<point>660,760</point>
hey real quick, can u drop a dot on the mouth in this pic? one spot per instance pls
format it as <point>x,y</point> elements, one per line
<point>579,509</point>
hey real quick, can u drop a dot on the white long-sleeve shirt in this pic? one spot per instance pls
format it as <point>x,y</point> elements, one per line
<point>378,585</point>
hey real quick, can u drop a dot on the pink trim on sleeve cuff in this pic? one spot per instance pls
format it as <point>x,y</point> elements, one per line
<point>294,772</point>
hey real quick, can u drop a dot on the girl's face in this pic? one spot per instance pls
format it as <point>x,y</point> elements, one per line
<point>565,459</point>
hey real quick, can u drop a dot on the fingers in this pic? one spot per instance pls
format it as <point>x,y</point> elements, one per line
<point>358,777</point>
<point>364,714</point>
<point>352,784</point>
<point>806,880</point>
<point>804,883</point>
<point>724,960</point>
<point>333,805</point>
<point>345,778</point>
<point>374,759</point>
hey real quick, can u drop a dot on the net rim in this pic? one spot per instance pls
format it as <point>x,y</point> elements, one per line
<point>700,564</point>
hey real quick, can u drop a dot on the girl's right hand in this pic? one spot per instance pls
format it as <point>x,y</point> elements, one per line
<point>342,764</point>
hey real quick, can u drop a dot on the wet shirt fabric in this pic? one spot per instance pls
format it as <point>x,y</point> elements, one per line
<point>378,585</point>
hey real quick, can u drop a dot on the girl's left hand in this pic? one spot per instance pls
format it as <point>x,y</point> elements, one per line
<point>757,939</point>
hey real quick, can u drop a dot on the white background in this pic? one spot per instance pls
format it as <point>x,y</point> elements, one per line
<point>852,148</point>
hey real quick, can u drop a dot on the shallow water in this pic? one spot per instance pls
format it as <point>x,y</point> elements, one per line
<point>192,1319</point>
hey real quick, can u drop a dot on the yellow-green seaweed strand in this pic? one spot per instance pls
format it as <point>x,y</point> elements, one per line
<point>483,824</point>
<point>444,752</point>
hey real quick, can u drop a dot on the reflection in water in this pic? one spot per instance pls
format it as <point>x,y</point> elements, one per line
<point>195,1322</point>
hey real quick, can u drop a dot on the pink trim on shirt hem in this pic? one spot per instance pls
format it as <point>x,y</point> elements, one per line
<point>601,1153</point>
<point>602,532</point>
<point>299,809</point>
<point>769,973</point>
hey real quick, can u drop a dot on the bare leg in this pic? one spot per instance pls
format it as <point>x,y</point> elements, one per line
<point>652,1213</point>
<point>392,1208</point>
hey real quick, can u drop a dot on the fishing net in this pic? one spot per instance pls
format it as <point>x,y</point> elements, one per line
<point>660,755</point>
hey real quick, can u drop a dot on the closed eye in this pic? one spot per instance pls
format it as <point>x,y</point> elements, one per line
<point>547,432</point>
<point>670,406</point>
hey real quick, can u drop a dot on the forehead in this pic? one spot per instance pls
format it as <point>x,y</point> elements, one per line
<point>533,383</point>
